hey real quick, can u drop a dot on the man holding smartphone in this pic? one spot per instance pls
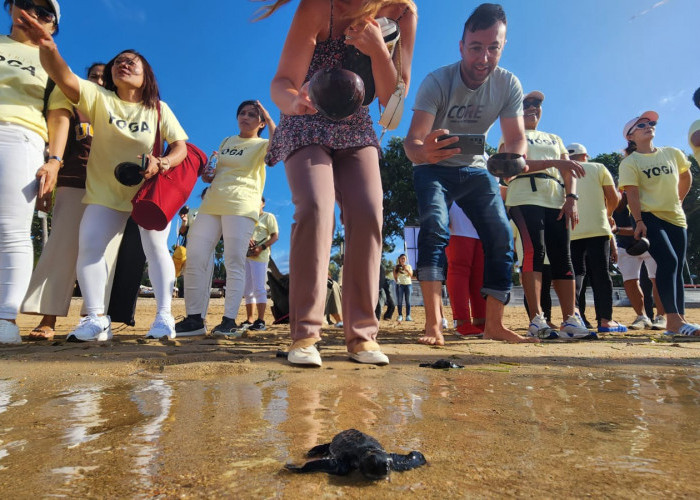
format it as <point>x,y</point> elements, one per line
<point>466,98</point>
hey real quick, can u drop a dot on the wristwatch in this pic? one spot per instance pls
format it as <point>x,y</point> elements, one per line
<point>263,246</point>
<point>572,195</point>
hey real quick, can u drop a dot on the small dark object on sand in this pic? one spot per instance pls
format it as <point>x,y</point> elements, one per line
<point>352,449</point>
<point>441,364</point>
<point>506,164</point>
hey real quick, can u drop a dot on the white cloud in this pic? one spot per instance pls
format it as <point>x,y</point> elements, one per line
<point>671,99</point>
<point>644,12</point>
<point>118,8</point>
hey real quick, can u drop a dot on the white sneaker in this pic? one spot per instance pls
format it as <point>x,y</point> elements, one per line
<point>305,356</point>
<point>445,325</point>
<point>399,319</point>
<point>659,323</point>
<point>641,323</point>
<point>540,329</point>
<point>9,333</point>
<point>163,326</point>
<point>574,328</point>
<point>92,328</point>
<point>370,357</point>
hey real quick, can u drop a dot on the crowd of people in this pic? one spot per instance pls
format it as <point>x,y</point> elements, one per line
<point>565,212</point>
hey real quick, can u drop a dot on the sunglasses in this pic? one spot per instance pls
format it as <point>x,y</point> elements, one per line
<point>535,103</point>
<point>45,15</point>
<point>641,125</point>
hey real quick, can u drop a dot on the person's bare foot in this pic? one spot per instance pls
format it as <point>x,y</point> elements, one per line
<point>506,335</point>
<point>433,336</point>
<point>438,340</point>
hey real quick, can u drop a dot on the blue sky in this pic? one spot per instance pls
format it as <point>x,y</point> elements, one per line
<point>599,63</point>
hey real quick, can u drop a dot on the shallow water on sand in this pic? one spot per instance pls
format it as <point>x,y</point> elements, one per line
<point>486,432</point>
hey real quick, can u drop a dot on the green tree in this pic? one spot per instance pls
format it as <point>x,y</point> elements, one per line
<point>400,203</point>
<point>611,161</point>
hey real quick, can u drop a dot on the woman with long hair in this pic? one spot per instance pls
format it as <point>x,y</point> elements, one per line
<point>23,134</point>
<point>328,161</point>
<point>656,180</point>
<point>125,116</point>
<point>403,276</point>
<point>231,208</point>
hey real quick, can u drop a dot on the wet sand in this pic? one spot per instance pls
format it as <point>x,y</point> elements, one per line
<point>197,417</point>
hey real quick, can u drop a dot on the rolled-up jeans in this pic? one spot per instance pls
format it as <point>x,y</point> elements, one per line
<point>477,193</point>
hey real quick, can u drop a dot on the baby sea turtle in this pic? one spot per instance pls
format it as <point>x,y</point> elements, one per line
<point>352,449</point>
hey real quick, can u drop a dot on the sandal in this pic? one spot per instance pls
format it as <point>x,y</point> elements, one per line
<point>688,329</point>
<point>41,333</point>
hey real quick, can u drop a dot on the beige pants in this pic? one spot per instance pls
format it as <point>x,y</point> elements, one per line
<point>53,279</point>
<point>318,178</point>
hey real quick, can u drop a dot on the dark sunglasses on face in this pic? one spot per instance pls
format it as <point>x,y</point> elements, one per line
<point>535,103</point>
<point>644,124</point>
<point>45,15</point>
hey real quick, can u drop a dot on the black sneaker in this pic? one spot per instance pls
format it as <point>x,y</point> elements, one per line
<point>257,325</point>
<point>227,328</point>
<point>190,326</point>
<point>245,325</point>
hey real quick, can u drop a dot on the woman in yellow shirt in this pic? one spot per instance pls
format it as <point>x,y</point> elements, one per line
<point>231,208</point>
<point>543,207</point>
<point>125,116</point>
<point>656,180</point>
<point>23,134</point>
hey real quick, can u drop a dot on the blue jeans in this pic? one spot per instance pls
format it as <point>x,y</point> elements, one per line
<point>401,292</point>
<point>476,192</point>
<point>667,244</point>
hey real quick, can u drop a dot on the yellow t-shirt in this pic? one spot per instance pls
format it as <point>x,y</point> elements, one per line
<point>694,128</point>
<point>122,131</point>
<point>266,226</point>
<point>549,193</point>
<point>240,178</point>
<point>656,175</point>
<point>404,278</point>
<point>22,86</point>
<point>592,213</point>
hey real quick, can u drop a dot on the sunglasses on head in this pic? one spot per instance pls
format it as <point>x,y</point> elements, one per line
<point>642,125</point>
<point>535,103</point>
<point>45,15</point>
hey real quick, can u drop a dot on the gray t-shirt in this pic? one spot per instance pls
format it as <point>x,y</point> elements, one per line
<point>462,110</point>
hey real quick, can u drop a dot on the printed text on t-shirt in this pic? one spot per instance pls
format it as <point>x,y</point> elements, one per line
<point>656,171</point>
<point>232,152</point>
<point>18,64</point>
<point>468,114</point>
<point>133,126</point>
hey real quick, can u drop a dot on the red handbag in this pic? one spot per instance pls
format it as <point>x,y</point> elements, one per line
<point>160,197</point>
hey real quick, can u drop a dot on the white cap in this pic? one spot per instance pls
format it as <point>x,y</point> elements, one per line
<point>576,149</point>
<point>652,116</point>
<point>56,9</point>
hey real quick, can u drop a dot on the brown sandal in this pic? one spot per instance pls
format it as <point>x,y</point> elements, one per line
<point>41,333</point>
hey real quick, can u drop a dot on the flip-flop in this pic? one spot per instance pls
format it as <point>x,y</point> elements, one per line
<point>612,329</point>
<point>41,333</point>
<point>687,330</point>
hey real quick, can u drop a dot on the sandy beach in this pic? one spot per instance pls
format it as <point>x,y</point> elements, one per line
<point>196,417</point>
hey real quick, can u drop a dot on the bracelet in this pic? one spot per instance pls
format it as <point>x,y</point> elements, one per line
<point>638,220</point>
<point>57,158</point>
<point>164,160</point>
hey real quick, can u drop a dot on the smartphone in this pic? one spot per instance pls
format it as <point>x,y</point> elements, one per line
<point>144,162</point>
<point>470,144</point>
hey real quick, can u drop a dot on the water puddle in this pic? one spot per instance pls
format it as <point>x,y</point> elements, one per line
<point>561,431</point>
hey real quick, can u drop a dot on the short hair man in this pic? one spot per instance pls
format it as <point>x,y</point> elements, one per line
<point>466,97</point>
<point>694,132</point>
<point>591,242</point>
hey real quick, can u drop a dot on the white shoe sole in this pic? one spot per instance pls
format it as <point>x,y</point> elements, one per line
<point>191,333</point>
<point>101,337</point>
<point>305,356</point>
<point>370,358</point>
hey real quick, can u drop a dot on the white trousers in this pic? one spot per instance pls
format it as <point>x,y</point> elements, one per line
<point>53,280</point>
<point>99,226</point>
<point>21,155</point>
<point>255,278</point>
<point>202,239</point>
